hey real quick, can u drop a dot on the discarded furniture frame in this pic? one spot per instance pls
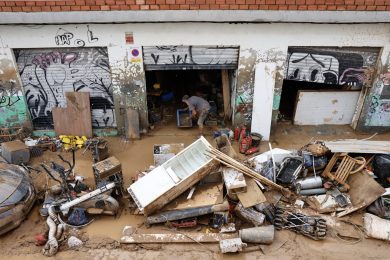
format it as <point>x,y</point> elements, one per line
<point>172,178</point>
<point>346,167</point>
<point>109,170</point>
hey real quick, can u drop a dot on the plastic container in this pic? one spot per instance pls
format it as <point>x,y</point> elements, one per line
<point>183,117</point>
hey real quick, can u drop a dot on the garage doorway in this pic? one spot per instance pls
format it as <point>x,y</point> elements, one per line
<point>326,85</point>
<point>175,71</point>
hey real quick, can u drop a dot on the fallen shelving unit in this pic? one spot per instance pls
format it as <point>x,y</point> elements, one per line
<point>172,178</point>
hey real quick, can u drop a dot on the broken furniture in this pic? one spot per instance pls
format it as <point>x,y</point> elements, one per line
<point>15,152</point>
<point>109,170</point>
<point>347,166</point>
<point>98,147</point>
<point>172,178</point>
<point>75,119</point>
<point>230,162</point>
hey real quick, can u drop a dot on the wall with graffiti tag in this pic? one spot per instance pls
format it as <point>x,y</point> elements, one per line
<point>378,103</point>
<point>77,51</point>
<point>46,75</point>
<point>350,67</point>
<point>12,103</point>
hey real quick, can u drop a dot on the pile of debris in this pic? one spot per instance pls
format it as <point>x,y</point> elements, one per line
<point>237,202</point>
<point>68,203</point>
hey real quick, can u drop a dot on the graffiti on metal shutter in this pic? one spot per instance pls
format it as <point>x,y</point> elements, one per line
<point>47,74</point>
<point>338,67</point>
<point>182,56</point>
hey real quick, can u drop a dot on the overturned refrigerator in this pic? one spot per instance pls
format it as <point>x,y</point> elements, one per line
<point>172,178</point>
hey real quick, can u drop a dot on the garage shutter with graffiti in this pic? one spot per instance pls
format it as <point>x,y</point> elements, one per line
<point>352,67</point>
<point>47,74</point>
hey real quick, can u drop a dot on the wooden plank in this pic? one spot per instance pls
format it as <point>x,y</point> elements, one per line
<point>359,107</point>
<point>75,119</point>
<point>182,237</point>
<point>253,194</point>
<point>132,124</point>
<point>226,94</point>
<point>358,146</point>
<point>204,195</point>
<point>263,99</point>
<point>325,107</point>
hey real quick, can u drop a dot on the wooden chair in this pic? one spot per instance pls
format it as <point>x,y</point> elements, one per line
<point>347,166</point>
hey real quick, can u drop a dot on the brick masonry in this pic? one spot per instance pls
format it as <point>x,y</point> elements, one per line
<point>108,5</point>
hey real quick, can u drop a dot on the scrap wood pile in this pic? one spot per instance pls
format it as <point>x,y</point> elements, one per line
<point>241,202</point>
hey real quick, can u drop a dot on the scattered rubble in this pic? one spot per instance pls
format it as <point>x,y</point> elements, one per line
<point>214,193</point>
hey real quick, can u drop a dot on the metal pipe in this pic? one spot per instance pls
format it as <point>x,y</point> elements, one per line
<point>309,183</point>
<point>51,246</point>
<point>312,192</point>
<point>67,205</point>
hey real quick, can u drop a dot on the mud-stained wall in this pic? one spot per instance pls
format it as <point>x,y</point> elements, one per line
<point>13,110</point>
<point>128,78</point>
<point>258,42</point>
<point>246,80</point>
<point>377,104</point>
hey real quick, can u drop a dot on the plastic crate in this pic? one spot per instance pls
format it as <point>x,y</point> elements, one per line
<point>183,117</point>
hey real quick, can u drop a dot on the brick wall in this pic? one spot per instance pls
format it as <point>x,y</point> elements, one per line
<point>107,5</point>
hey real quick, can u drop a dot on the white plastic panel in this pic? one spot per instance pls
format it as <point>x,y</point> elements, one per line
<point>151,186</point>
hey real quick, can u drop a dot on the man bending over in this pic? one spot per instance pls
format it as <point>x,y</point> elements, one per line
<point>199,107</point>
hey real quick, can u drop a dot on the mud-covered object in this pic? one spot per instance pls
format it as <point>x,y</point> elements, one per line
<point>380,207</point>
<point>289,170</point>
<point>17,196</point>
<point>381,167</point>
<point>319,161</point>
<point>313,227</point>
<point>317,149</point>
<point>77,217</point>
<point>268,209</point>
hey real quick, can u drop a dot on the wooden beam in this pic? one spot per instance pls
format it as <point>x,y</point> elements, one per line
<point>226,94</point>
<point>176,238</point>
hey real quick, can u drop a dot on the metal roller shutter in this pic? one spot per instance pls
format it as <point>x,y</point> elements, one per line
<point>190,57</point>
<point>352,67</point>
<point>47,74</point>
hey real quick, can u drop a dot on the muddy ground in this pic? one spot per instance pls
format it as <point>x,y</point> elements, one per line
<point>102,236</point>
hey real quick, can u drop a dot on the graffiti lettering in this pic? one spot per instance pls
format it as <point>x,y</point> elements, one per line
<point>90,36</point>
<point>63,39</point>
<point>47,75</point>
